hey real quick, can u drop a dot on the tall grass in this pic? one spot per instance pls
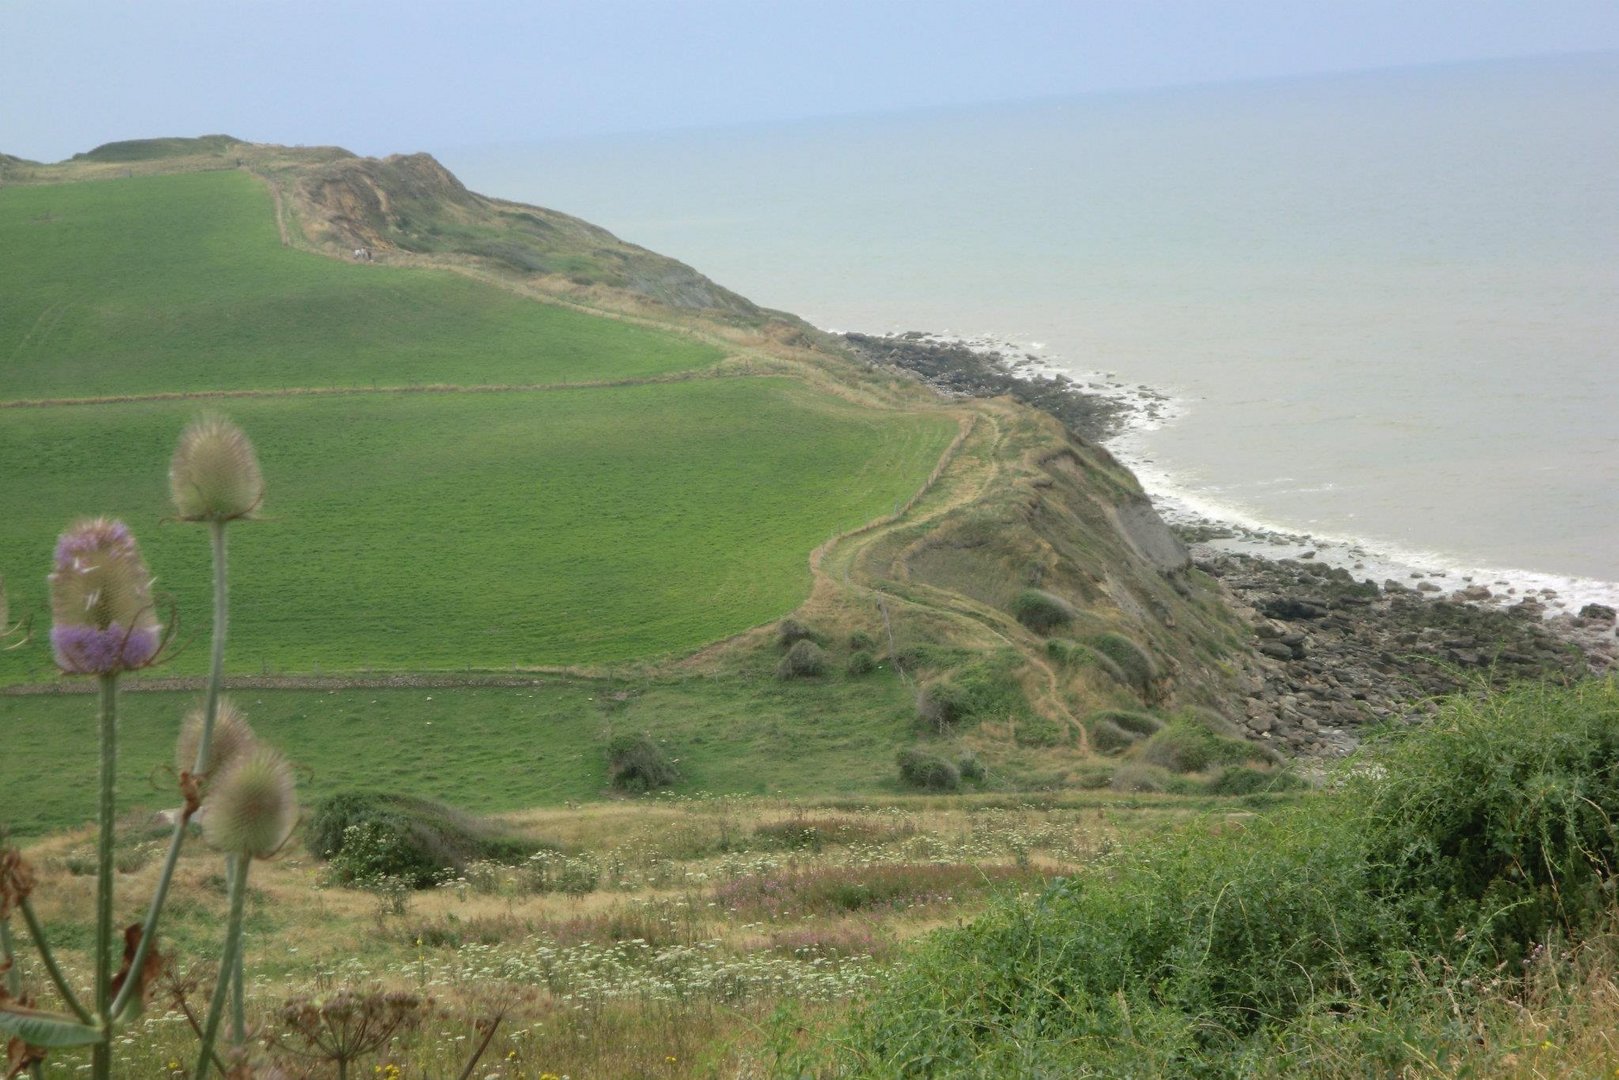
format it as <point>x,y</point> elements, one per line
<point>1383,914</point>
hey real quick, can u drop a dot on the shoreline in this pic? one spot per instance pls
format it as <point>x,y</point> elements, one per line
<point>1344,638</point>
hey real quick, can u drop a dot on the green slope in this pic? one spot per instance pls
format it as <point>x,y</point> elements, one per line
<point>180,283</point>
<point>478,530</point>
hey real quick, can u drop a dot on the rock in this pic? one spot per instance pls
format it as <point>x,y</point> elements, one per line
<point>1598,613</point>
<point>1474,593</point>
<point>1276,650</point>
<point>1427,586</point>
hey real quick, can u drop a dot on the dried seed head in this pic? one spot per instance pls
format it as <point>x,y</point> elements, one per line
<point>232,737</point>
<point>16,880</point>
<point>215,473</point>
<point>251,808</point>
<point>103,621</point>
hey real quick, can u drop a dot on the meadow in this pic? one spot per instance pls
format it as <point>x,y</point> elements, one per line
<point>180,283</point>
<point>431,530</point>
<point>478,531</point>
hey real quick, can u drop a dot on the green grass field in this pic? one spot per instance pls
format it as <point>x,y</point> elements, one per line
<point>410,532</point>
<point>180,283</point>
<point>485,749</point>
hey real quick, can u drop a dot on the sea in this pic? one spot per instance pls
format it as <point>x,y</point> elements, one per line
<point>1383,307</point>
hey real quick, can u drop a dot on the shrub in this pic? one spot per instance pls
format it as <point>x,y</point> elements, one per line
<point>860,640</point>
<point>1109,738</point>
<point>861,663</point>
<point>1137,776</point>
<point>977,691</point>
<point>790,631</point>
<point>1041,611</point>
<point>972,769</point>
<point>1186,747</point>
<point>1139,724</point>
<point>940,707</point>
<point>1138,668</point>
<point>404,837</point>
<point>1229,949</point>
<point>918,768</point>
<point>1502,811</point>
<point>803,660</point>
<point>638,763</point>
<point>1247,780</point>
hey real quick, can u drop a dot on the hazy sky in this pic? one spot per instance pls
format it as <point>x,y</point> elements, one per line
<point>404,75</point>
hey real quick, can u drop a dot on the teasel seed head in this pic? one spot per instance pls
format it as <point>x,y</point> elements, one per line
<point>251,808</point>
<point>232,738</point>
<point>102,617</point>
<point>215,473</point>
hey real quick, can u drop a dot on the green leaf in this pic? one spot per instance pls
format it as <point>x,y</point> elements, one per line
<point>50,1030</point>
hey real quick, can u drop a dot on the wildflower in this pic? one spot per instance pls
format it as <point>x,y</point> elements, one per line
<point>101,601</point>
<point>215,473</point>
<point>251,808</point>
<point>232,738</point>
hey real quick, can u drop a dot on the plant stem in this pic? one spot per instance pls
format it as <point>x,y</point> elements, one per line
<point>216,658</point>
<point>37,932</point>
<point>238,1010</point>
<point>209,714</point>
<point>7,953</point>
<point>101,1059</point>
<point>227,963</point>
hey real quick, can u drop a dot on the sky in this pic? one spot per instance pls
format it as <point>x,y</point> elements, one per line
<point>405,75</point>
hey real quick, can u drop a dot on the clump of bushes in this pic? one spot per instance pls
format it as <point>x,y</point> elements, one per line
<point>984,689</point>
<point>1139,669</point>
<point>1042,611</point>
<point>920,769</point>
<point>803,660</point>
<point>972,770</point>
<point>791,631</point>
<point>1359,926</point>
<point>860,641</point>
<point>370,836</point>
<point>861,663</point>
<point>1115,730</point>
<point>1185,746</point>
<point>637,763</point>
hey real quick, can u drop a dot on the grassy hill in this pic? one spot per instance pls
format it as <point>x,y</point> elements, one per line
<point>509,442</point>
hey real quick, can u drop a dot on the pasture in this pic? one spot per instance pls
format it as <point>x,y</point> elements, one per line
<point>180,283</point>
<point>476,531</point>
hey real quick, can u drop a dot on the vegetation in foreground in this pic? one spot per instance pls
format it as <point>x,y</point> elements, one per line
<point>1409,920</point>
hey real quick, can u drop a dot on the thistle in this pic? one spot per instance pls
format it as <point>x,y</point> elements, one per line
<point>252,808</point>
<point>103,621</point>
<point>215,473</point>
<point>232,738</point>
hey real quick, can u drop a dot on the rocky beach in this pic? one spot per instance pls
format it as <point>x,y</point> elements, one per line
<point>1336,654</point>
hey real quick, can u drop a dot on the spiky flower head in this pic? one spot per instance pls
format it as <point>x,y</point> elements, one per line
<point>215,473</point>
<point>103,620</point>
<point>232,737</point>
<point>252,808</point>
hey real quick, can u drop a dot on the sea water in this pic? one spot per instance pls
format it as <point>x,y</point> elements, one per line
<point>1385,305</point>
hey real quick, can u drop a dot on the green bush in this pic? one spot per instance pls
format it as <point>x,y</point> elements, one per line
<point>1230,949</point>
<point>1139,669</point>
<point>1247,780</point>
<point>985,689</point>
<point>1501,811</point>
<point>1186,747</point>
<point>1041,611</point>
<point>790,631</point>
<point>803,660</point>
<point>404,837</point>
<point>918,768</point>
<point>861,663</point>
<point>638,763</point>
<point>862,641</point>
<point>972,769</point>
<point>1109,738</point>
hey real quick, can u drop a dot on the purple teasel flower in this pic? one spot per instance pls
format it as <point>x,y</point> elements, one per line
<point>103,619</point>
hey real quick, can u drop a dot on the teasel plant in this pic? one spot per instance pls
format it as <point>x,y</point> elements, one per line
<point>104,623</point>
